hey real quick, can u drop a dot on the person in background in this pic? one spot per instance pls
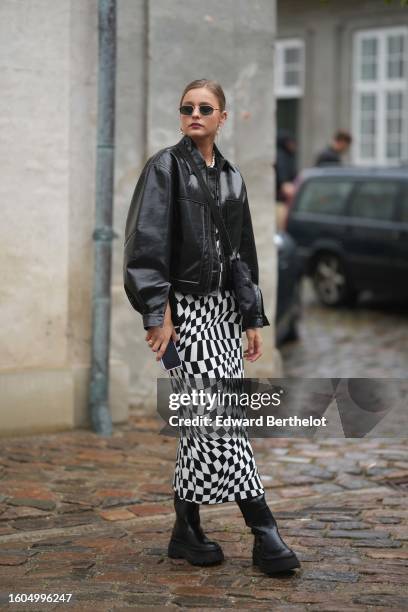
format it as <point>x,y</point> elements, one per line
<point>332,154</point>
<point>285,166</point>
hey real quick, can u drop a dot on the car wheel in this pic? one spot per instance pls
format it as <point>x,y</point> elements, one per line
<point>330,281</point>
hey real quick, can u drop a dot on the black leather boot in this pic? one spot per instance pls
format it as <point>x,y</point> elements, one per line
<point>188,540</point>
<point>270,552</point>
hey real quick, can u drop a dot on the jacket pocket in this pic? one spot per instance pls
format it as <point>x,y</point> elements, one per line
<point>188,241</point>
<point>233,217</point>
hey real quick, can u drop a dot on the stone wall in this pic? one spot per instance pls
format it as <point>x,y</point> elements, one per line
<point>48,111</point>
<point>48,119</point>
<point>327,31</point>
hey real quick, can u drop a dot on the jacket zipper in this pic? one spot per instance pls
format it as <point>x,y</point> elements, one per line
<point>217,179</point>
<point>221,266</point>
<point>210,267</point>
<point>211,235</point>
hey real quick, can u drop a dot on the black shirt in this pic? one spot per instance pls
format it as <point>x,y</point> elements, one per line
<point>328,156</point>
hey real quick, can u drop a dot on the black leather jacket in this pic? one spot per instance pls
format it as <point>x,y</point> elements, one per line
<point>170,235</point>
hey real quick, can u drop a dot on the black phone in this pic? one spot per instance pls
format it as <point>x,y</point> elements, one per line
<point>171,358</point>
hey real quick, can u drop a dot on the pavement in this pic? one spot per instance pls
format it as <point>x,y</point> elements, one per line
<point>368,340</point>
<point>92,516</point>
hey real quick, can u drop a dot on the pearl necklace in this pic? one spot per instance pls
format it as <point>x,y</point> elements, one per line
<point>212,162</point>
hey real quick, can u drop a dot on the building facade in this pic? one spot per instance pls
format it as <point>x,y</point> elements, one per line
<point>344,65</point>
<point>48,112</point>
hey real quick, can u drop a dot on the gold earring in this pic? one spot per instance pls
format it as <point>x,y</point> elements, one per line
<point>181,130</point>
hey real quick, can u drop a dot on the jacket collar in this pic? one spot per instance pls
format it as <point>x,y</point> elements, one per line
<point>198,158</point>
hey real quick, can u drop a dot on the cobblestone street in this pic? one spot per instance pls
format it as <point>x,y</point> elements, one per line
<point>92,516</point>
<point>369,340</point>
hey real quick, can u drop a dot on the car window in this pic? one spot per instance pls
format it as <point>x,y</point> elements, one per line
<point>404,211</point>
<point>374,200</point>
<point>325,197</point>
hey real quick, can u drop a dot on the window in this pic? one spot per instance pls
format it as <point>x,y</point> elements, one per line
<point>325,197</point>
<point>404,211</point>
<point>289,68</point>
<point>375,200</point>
<point>380,101</point>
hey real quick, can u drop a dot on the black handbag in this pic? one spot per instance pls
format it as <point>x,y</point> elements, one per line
<point>247,293</point>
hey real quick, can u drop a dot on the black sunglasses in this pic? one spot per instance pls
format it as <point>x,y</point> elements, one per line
<point>205,109</point>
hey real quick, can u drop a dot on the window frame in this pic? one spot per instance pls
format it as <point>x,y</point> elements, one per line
<point>379,88</point>
<point>319,180</point>
<point>283,91</point>
<point>359,183</point>
<point>402,205</point>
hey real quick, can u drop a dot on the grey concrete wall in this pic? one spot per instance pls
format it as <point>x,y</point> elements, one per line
<point>82,117</point>
<point>48,113</point>
<point>328,34</point>
<point>47,154</point>
<point>231,42</point>
<point>130,155</point>
<point>34,111</point>
<point>35,140</point>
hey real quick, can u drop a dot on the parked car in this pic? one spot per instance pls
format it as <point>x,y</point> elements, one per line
<point>288,307</point>
<point>351,227</point>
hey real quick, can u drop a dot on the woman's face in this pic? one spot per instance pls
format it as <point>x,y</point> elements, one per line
<point>200,126</point>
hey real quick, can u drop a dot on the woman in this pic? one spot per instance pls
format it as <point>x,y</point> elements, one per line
<point>177,276</point>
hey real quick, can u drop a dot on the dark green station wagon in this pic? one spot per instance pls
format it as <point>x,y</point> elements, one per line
<point>351,228</point>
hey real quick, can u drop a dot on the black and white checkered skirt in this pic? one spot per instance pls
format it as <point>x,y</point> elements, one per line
<point>211,466</point>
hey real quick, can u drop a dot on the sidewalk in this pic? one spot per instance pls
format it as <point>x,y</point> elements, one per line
<point>92,516</point>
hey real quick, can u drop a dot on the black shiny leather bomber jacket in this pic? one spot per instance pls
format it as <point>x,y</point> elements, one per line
<point>170,235</point>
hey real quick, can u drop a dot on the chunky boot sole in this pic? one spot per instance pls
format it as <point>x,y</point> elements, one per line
<point>273,566</point>
<point>195,556</point>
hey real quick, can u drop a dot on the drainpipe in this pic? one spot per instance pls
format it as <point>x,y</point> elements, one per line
<point>103,233</point>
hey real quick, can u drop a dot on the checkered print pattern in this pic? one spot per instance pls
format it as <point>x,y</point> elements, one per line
<point>213,464</point>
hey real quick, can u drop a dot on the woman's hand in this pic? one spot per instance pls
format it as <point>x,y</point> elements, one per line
<point>158,337</point>
<point>254,347</point>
